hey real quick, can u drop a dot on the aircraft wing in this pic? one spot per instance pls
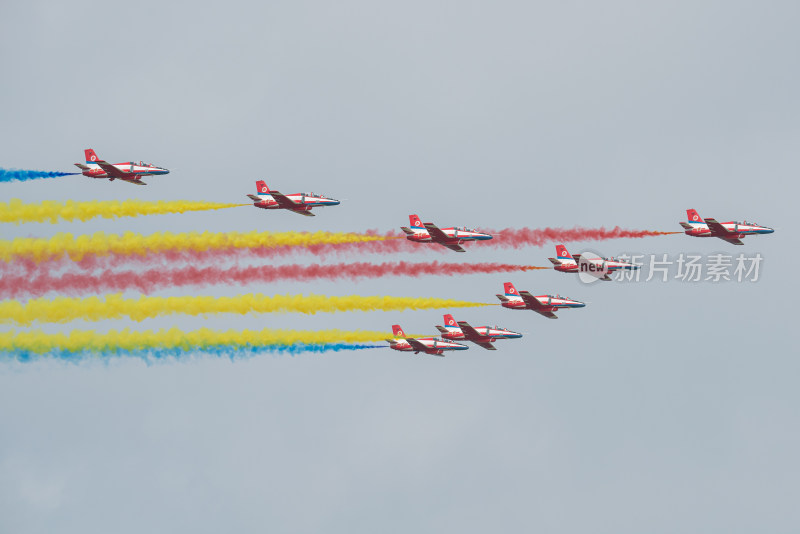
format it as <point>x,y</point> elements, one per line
<point>469,331</point>
<point>132,181</point>
<point>457,248</point>
<point>417,345</point>
<point>487,345</point>
<point>534,304</point>
<point>283,201</point>
<point>720,231</point>
<point>302,212</point>
<point>111,171</point>
<point>716,228</point>
<point>436,233</point>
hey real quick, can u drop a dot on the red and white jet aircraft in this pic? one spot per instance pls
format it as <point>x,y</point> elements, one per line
<point>542,304</point>
<point>480,335</point>
<point>448,237</point>
<point>732,231</point>
<point>297,202</point>
<point>568,263</point>
<point>129,171</point>
<point>428,345</point>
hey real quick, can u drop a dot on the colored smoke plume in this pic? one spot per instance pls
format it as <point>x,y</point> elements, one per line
<point>52,211</point>
<point>537,237</point>
<point>14,286</point>
<point>27,345</point>
<point>21,175</point>
<point>63,310</point>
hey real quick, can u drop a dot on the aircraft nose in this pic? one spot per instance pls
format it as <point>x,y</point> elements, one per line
<point>768,230</point>
<point>580,304</point>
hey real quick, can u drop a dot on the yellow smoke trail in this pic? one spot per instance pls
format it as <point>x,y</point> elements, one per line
<point>64,309</point>
<point>51,211</point>
<point>130,243</point>
<point>38,342</point>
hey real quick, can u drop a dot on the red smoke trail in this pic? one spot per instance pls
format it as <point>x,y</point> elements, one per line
<point>537,237</point>
<point>154,279</point>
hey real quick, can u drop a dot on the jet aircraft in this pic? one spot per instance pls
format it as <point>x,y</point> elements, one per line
<point>448,237</point>
<point>428,345</point>
<point>300,203</point>
<point>480,335</point>
<point>130,171</point>
<point>571,263</point>
<point>732,231</point>
<point>542,304</point>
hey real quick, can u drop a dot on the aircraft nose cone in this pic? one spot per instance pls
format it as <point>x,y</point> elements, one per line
<point>580,304</point>
<point>768,230</point>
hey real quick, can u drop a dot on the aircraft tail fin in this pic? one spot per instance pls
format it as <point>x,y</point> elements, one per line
<point>449,320</point>
<point>510,290</point>
<point>397,331</point>
<point>91,157</point>
<point>563,254</point>
<point>693,216</point>
<point>261,187</point>
<point>415,221</point>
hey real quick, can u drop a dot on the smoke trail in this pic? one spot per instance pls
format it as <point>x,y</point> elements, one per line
<point>537,237</point>
<point>63,310</point>
<point>180,353</point>
<point>129,244</point>
<point>20,175</point>
<point>52,211</point>
<point>25,345</point>
<point>13,286</point>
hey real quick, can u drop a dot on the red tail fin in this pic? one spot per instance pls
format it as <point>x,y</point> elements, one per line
<point>510,289</point>
<point>91,157</point>
<point>562,253</point>
<point>262,188</point>
<point>449,321</point>
<point>415,222</point>
<point>397,331</point>
<point>693,216</point>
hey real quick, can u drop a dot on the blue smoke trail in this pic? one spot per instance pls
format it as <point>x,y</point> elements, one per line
<point>233,352</point>
<point>20,175</point>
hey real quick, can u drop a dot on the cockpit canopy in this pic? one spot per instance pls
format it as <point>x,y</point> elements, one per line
<point>465,229</point>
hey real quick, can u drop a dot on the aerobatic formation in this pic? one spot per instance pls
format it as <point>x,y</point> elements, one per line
<point>51,273</point>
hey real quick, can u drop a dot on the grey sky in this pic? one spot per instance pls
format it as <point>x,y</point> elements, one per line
<point>660,407</point>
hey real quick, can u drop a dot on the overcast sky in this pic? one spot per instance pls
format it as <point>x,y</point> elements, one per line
<point>660,407</point>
